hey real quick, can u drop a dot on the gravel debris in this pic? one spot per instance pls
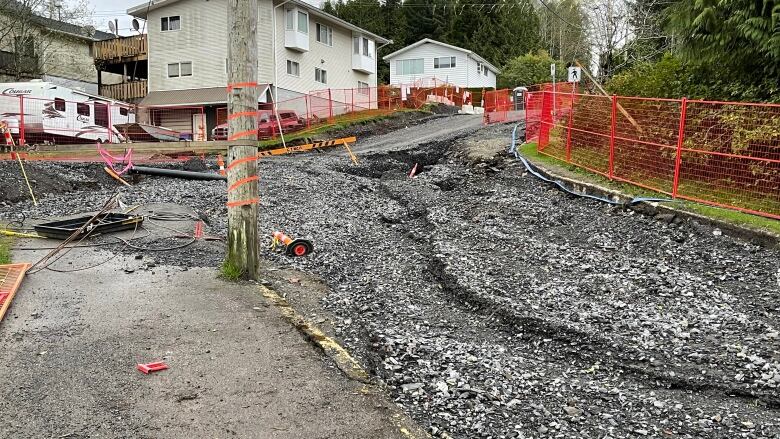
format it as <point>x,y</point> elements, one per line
<point>494,306</point>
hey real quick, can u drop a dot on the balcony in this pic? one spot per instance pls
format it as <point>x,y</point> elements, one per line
<point>121,49</point>
<point>125,91</point>
<point>363,63</point>
<point>296,29</point>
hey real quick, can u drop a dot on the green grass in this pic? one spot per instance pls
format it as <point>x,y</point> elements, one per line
<point>5,250</point>
<point>731,216</point>
<point>339,123</point>
<point>230,272</point>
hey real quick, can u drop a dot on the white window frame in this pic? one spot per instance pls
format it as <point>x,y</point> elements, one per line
<point>364,88</point>
<point>179,73</point>
<point>319,27</point>
<point>298,21</point>
<point>409,63</point>
<point>320,75</point>
<point>297,69</point>
<point>167,21</point>
<point>289,19</point>
<point>437,64</point>
<point>168,70</point>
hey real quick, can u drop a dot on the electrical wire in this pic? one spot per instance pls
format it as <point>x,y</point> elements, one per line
<point>535,173</point>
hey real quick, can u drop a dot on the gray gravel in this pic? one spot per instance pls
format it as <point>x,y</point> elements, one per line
<point>493,306</point>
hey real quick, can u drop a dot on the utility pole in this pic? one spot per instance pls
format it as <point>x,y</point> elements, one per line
<point>243,192</point>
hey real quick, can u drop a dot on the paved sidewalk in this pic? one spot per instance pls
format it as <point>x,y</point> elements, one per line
<point>71,342</point>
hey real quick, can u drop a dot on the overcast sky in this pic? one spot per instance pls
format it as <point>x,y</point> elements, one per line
<point>106,10</point>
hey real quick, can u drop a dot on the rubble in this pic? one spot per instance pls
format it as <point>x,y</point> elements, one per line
<point>493,306</point>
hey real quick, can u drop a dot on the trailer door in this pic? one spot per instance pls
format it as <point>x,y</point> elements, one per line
<point>101,114</point>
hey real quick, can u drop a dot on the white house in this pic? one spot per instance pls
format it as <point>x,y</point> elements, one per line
<point>188,42</point>
<point>433,59</point>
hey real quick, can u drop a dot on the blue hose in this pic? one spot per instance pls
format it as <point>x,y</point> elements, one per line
<point>530,169</point>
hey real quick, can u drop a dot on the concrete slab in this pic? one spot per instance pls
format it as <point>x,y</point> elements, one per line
<point>71,342</point>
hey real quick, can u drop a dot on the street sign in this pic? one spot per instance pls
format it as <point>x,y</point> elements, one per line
<point>575,73</point>
<point>552,70</point>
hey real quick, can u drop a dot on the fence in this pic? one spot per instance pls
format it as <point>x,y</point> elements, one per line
<point>56,121</point>
<point>36,121</point>
<point>720,153</point>
<point>319,108</point>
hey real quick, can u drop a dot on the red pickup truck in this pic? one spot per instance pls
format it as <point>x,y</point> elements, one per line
<point>267,125</point>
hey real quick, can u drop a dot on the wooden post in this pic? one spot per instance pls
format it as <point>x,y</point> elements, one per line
<point>243,193</point>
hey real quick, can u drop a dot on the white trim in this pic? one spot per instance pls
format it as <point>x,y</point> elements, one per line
<point>139,11</point>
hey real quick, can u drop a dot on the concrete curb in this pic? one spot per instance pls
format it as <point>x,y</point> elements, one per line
<point>760,237</point>
<point>343,360</point>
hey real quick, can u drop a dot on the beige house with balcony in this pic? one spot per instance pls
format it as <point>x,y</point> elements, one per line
<point>36,47</point>
<point>300,49</point>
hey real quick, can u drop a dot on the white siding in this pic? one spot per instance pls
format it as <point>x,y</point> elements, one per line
<point>463,75</point>
<point>336,59</point>
<point>202,40</point>
<point>477,79</point>
<point>428,52</point>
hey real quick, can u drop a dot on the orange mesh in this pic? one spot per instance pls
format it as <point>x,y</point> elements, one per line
<point>11,276</point>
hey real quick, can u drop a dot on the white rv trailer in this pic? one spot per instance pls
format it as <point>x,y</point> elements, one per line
<point>55,114</point>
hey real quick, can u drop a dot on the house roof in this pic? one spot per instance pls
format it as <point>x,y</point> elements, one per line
<point>449,46</point>
<point>141,11</point>
<point>196,96</point>
<point>73,30</point>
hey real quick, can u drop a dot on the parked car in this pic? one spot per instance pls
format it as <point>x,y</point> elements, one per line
<point>267,125</point>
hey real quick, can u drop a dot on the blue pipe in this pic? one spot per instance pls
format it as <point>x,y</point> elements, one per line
<point>530,169</point>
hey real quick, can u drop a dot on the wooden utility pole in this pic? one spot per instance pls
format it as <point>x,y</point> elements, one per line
<point>243,193</point>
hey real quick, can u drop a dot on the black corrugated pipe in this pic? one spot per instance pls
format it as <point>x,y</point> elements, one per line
<point>189,175</point>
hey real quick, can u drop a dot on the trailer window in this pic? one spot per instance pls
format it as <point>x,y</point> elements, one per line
<point>59,104</point>
<point>82,109</point>
<point>122,111</point>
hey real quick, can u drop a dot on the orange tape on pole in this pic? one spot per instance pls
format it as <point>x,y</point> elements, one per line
<point>230,87</point>
<point>241,114</point>
<point>235,163</point>
<point>243,134</point>
<point>242,182</point>
<point>243,203</point>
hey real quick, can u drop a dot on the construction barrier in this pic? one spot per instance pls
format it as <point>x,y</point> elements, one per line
<point>720,153</point>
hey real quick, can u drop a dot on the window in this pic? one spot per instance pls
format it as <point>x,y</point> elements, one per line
<point>410,66</point>
<point>366,51</point>
<point>303,22</point>
<point>321,75</point>
<point>59,104</point>
<point>186,69</point>
<point>170,23</point>
<point>356,45</point>
<point>363,88</point>
<point>24,46</point>
<point>324,34</point>
<point>82,109</point>
<point>290,19</point>
<point>123,111</point>
<point>484,70</point>
<point>444,63</point>
<point>180,69</point>
<point>293,68</point>
<point>173,70</point>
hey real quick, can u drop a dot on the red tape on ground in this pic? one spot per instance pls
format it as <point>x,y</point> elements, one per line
<point>235,163</point>
<point>242,182</point>
<point>243,203</point>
